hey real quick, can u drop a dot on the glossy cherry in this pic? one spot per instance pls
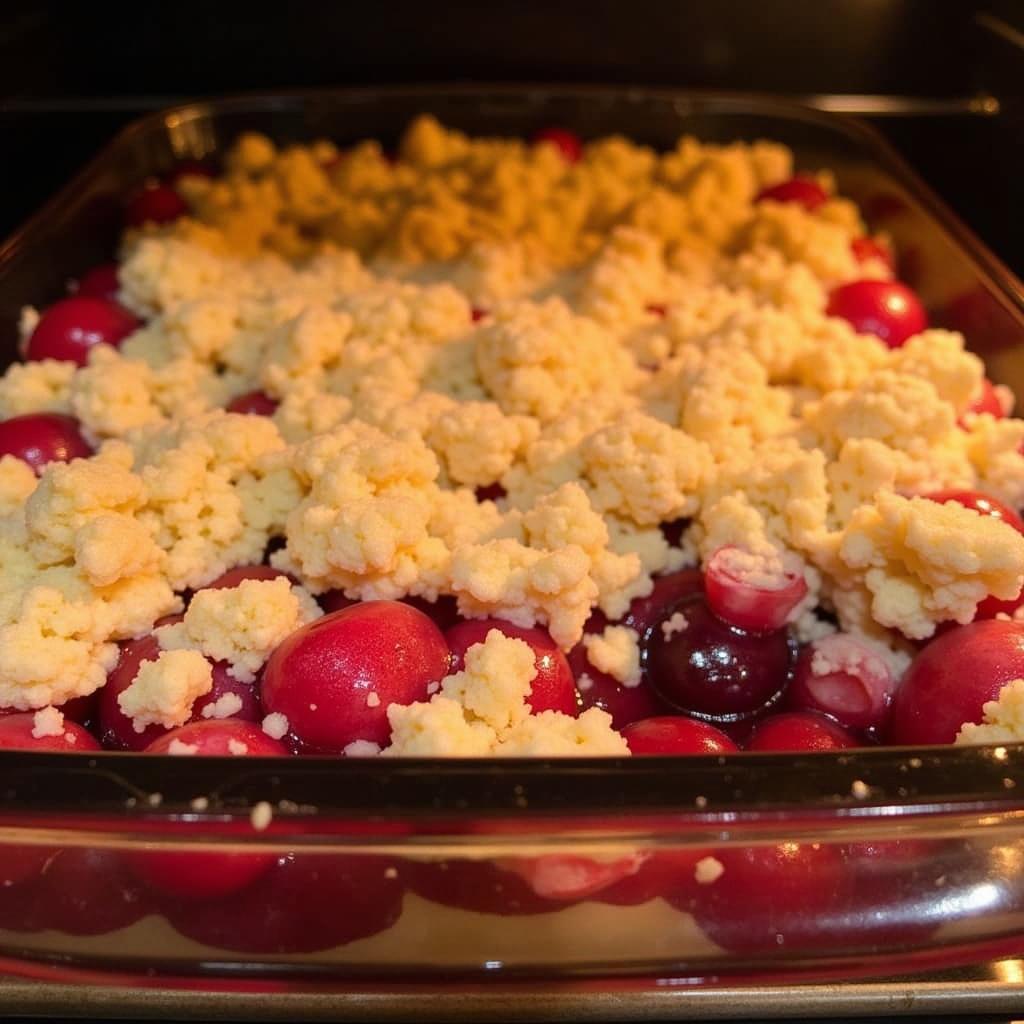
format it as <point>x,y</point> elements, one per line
<point>800,189</point>
<point>101,282</point>
<point>712,670</point>
<point>739,591</point>
<point>672,735</point>
<point>253,403</point>
<point>952,678</point>
<point>554,688</point>
<point>983,504</point>
<point>154,204</point>
<point>568,143</point>
<point>843,677</point>
<point>17,733</point>
<point>305,903</point>
<point>219,738</point>
<point>625,704</point>
<point>769,899</point>
<point>799,731</point>
<point>68,329</point>
<point>40,438</point>
<point>887,309</point>
<point>668,590</point>
<point>335,678</point>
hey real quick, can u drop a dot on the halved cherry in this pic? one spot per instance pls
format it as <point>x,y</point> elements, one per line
<point>744,592</point>
<point>887,309</point>
<point>800,189</point>
<point>40,438</point>
<point>68,329</point>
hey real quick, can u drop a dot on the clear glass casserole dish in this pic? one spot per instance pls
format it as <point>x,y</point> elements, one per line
<point>441,874</point>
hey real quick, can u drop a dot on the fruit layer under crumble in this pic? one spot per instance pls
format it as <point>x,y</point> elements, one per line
<point>491,447</point>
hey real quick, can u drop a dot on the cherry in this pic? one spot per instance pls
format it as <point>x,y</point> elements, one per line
<point>952,678</point>
<point>983,504</point>
<point>40,438</point>
<point>443,612</point>
<point>571,877</point>
<point>154,204</point>
<point>866,249</point>
<point>230,579</point>
<point>115,727</point>
<point>675,735</point>
<point>477,885</point>
<point>476,314</point>
<point>769,898</point>
<point>492,492</point>
<point>253,403</point>
<point>800,189</point>
<point>553,689</point>
<point>101,282</point>
<point>69,328</point>
<point>335,678</point>
<point>189,169</point>
<point>568,143</point>
<point>658,309</point>
<point>668,590</point>
<point>219,738</point>
<point>887,309</point>
<point>625,704</point>
<point>799,731</point>
<point>668,874</point>
<point>335,601</point>
<point>843,677</point>
<point>305,903</point>
<point>987,400</point>
<point>712,670</point>
<point>86,890</point>
<point>16,733</point>
<point>742,592</point>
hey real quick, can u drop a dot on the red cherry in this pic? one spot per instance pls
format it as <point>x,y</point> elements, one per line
<point>492,492</point>
<point>644,612</point>
<point>476,314</point>
<point>335,678</point>
<point>230,579</point>
<point>952,678</point>
<point>189,169</point>
<point>69,328</point>
<point>304,904</point>
<point>16,733</point>
<point>987,400</point>
<point>798,189</point>
<point>40,438</point>
<point>101,282</point>
<point>844,678</point>
<point>554,688</point>
<point>675,735</point>
<point>769,898</point>
<point>219,738</point>
<point>668,874</point>
<point>799,731</point>
<point>568,143</point>
<point>115,727</point>
<point>743,594</point>
<point>443,612</point>
<point>253,403</point>
<point>87,890</point>
<point>154,204</point>
<point>477,885</point>
<point>983,504</point>
<point>625,704</point>
<point>887,309</point>
<point>571,877</point>
<point>867,249</point>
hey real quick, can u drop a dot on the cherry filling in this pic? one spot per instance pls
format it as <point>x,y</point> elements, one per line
<point>843,677</point>
<point>714,671</point>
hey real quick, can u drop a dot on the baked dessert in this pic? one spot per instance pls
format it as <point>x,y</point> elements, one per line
<point>493,447</point>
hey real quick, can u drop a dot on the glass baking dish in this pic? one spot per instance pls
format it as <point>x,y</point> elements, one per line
<point>587,873</point>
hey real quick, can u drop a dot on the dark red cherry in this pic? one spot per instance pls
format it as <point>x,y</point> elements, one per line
<point>887,309</point>
<point>568,143</point>
<point>154,204</point>
<point>253,403</point>
<point>100,282</point>
<point>40,438</point>
<point>798,189</point>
